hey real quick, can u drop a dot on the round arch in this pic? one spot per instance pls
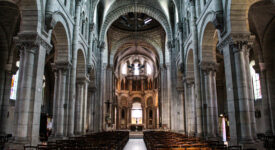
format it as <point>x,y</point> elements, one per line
<point>209,41</point>
<point>138,8</point>
<point>61,44</point>
<point>31,23</point>
<point>134,38</point>
<point>189,64</point>
<point>238,15</point>
<point>81,64</point>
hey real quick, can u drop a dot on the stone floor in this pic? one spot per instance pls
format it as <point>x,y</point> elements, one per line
<point>135,144</point>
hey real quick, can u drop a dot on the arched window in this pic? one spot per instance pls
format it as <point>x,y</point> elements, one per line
<point>151,114</point>
<point>255,82</point>
<point>123,114</point>
<point>14,81</point>
<point>124,69</point>
<point>148,69</point>
<point>136,69</point>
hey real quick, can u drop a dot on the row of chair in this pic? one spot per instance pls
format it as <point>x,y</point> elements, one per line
<point>160,140</point>
<point>269,140</point>
<point>4,139</point>
<point>96,141</point>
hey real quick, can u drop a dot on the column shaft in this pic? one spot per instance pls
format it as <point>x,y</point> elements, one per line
<point>79,109</point>
<point>5,97</point>
<point>25,85</point>
<point>243,101</point>
<point>60,103</point>
<point>73,70</point>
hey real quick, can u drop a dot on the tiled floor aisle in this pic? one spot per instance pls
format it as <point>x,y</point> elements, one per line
<point>135,144</point>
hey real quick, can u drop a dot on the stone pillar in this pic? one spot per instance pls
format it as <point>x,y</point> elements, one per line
<point>215,101</point>
<point>191,104</point>
<point>175,109</point>
<point>201,5</point>
<point>209,69</point>
<point>26,69</point>
<point>80,85</point>
<point>91,106</point>
<point>251,97</point>
<point>60,99</point>
<point>5,89</point>
<point>165,115</point>
<point>181,110</point>
<point>73,70</point>
<point>84,126</point>
<point>29,92</point>
<point>266,99</point>
<point>55,97</point>
<point>244,123</point>
<point>196,70</point>
<point>198,8</point>
<point>230,88</point>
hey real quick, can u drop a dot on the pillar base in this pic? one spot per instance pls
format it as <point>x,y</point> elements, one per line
<point>17,143</point>
<point>255,145</point>
<point>245,141</point>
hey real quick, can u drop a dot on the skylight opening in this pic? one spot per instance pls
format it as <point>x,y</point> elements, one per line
<point>147,20</point>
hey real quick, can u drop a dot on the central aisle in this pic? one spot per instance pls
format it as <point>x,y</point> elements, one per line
<point>135,144</point>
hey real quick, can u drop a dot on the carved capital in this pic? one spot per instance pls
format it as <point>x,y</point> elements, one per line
<point>92,26</point>
<point>180,27</point>
<point>30,42</point>
<point>235,41</point>
<point>101,45</point>
<point>78,2</point>
<point>63,66</point>
<point>217,20</point>
<point>82,80</point>
<point>50,22</point>
<point>44,43</point>
<point>239,46</point>
<point>189,80</point>
<point>171,44</point>
<point>207,66</point>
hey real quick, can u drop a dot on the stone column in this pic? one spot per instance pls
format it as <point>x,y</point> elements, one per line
<point>191,103</point>
<point>26,69</point>
<point>29,92</point>
<point>173,94</point>
<point>251,97</point>
<point>209,69</point>
<point>196,70</point>
<point>91,105</point>
<point>60,99</point>
<point>165,115</point>
<point>230,88</point>
<point>215,102</point>
<point>181,110</point>
<point>266,99</point>
<point>79,107</point>
<point>73,70</point>
<point>198,8</point>
<point>243,93</point>
<point>55,97</point>
<point>201,5</point>
<point>84,123</point>
<point>5,83</point>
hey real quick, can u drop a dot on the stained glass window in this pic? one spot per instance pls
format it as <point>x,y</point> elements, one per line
<point>256,82</point>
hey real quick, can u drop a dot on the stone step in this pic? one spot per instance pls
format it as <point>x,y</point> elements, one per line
<point>136,135</point>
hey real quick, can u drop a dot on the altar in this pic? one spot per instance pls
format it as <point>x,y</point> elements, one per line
<point>136,127</point>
